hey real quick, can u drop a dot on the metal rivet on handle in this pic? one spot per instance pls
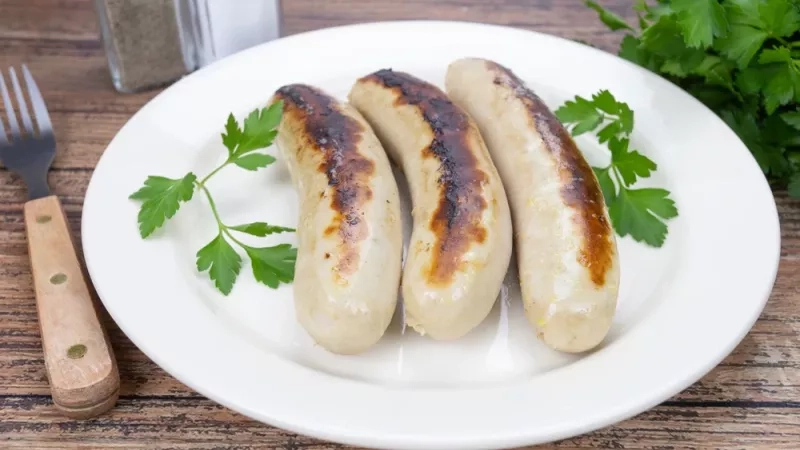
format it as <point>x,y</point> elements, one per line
<point>58,278</point>
<point>43,219</point>
<point>77,351</point>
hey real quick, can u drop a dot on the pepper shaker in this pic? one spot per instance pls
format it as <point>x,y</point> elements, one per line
<point>151,43</point>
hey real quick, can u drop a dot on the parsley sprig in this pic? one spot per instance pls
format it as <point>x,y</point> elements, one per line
<point>589,114</point>
<point>641,213</point>
<point>739,57</point>
<point>161,198</point>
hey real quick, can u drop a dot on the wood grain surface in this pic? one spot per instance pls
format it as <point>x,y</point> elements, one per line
<point>751,400</point>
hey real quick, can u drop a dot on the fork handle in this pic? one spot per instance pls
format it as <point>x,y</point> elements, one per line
<point>80,364</point>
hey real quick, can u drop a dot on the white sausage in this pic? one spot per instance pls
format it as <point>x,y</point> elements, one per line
<point>348,266</point>
<point>565,246</point>
<point>460,245</point>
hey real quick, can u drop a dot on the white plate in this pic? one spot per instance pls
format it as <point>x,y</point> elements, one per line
<point>682,308</point>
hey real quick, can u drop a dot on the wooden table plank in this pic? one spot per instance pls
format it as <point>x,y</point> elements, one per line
<point>176,423</point>
<point>749,401</point>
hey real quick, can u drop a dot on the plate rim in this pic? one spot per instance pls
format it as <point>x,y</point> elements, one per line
<point>522,438</point>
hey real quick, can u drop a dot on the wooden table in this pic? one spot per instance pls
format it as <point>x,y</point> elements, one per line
<point>752,400</point>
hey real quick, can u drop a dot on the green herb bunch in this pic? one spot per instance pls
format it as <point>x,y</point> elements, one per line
<point>739,57</point>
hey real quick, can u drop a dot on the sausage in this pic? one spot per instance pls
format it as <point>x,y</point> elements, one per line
<point>349,256</point>
<point>565,246</point>
<point>460,246</point>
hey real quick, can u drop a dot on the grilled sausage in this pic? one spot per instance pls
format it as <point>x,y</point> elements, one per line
<point>348,266</point>
<point>460,245</point>
<point>565,246</point>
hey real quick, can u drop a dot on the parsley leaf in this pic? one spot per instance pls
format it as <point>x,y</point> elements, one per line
<point>629,164</point>
<point>640,213</point>
<point>664,38</point>
<point>260,229</point>
<point>609,131</point>
<point>585,126</point>
<point>612,20</point>
<point>741,44</point>
<point>750,80</point>
<point>745,12</point>
<point>221,261</point>
<point>606,102</point>
<point>161,198</point>
<point>585,115</point>
<point>232,135</point>
<point>700,21</point>
<point>582,113</point>
<point>576,110</point>
<point>717,71</point>
<point>254,161</point>
<point>792,118</point>
<point>259,129</point>
<point>776,55</point>
<point>780,17</point>
<point>630,49</point>
<point>782,77</point>
<point>273,265</point>
<point>625,118</point>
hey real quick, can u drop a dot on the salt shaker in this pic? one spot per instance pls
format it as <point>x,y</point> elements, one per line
<point>151,43</point>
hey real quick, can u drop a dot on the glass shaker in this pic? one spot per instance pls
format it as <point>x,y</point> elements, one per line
<point>151,43</point>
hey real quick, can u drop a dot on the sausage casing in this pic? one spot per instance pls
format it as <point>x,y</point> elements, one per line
<point>348,265</point>
<point>565,246</point>
<point>460,244</point>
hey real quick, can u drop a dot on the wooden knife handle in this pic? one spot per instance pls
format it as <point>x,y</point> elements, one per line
<point>80,364</point>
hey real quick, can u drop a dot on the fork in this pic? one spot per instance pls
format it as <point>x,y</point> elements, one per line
<point>80,364</point>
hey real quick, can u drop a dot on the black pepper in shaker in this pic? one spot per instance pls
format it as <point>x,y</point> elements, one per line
<point>143,42</point>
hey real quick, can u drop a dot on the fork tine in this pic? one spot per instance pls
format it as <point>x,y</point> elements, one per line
<point>37,102</point>
<point>23,106</point>
<point>12,116</point>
